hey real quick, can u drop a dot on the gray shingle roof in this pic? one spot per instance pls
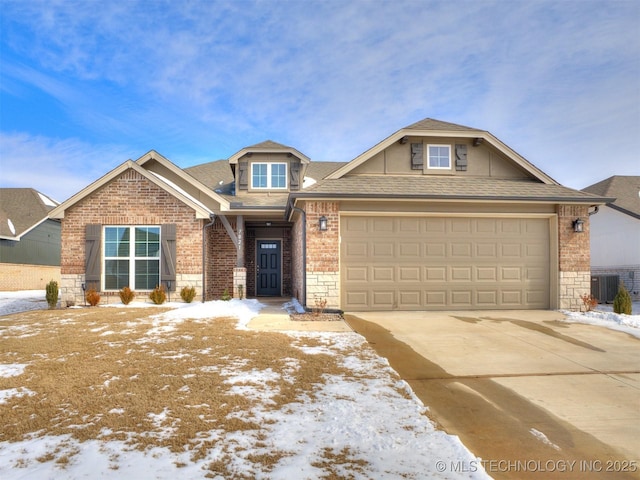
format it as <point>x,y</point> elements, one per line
<point>24,207</point>
<point>420,186</point>
<point>625,190</point>
<point>432,124</point>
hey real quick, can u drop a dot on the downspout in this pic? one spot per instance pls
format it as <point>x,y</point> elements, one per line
<point>212,217</point>
<point>304,251</point>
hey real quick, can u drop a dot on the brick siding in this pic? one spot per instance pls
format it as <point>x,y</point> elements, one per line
<point>129,199</point>
<point>323,254</point>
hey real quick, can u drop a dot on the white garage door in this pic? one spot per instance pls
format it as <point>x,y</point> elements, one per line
<point>442,263</point>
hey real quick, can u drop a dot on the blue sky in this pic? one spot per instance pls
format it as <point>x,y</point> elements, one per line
<point>86,85</point>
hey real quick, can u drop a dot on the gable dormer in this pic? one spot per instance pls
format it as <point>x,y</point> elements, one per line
<point>268,167</point>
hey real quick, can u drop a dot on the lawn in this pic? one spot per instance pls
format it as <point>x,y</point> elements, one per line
<point>165,393</point>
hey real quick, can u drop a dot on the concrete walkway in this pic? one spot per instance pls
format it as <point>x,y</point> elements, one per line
<point>274,317</point>
<point>521,386</point>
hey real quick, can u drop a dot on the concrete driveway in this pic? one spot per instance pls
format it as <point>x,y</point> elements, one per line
<point>532,396</point>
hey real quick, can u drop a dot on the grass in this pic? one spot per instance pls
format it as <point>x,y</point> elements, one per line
<point>103,374</point>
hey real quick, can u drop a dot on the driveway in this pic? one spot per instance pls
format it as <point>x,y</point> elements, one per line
<point>531,395</point>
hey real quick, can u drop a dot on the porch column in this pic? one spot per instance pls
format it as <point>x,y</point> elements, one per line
<point>240,271</point>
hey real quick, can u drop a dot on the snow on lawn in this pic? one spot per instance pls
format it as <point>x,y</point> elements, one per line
<point>374,422</point>
<point>603,316</point>
<point>13,302</point>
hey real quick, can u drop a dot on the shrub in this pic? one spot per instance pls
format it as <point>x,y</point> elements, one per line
<point>622,302</point>
<point>188,294</point>
<point>158,296</point>
<point>127,295</point>
<point>225,295</point>
<point>590,302</point>
<point>93,297</point>
<point>52,293</point>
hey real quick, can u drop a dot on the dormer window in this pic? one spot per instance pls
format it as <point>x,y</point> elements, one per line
<point>269,175</point>
<point>439,156</point>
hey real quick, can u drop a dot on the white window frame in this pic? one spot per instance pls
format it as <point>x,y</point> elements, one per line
<point>448,147</point>
<point>132,258</point>
<point>270,176</point>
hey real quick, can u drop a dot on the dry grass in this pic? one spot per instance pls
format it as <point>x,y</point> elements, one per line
<point>98,374</point>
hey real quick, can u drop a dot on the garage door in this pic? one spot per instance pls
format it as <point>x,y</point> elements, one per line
<point>441,263</point>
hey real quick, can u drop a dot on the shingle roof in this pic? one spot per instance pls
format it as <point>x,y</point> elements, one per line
<point>625,190</point>
<point>419,186</point>
<point>21,209</point>
<point>432,124</point>
<point>213,173</point>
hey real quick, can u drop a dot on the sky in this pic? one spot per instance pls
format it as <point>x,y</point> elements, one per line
<point>86,85</point>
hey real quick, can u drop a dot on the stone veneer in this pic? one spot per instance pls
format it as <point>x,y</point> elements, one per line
<point>574,257</point>
<point>323,254</point>
<point>129,199</point>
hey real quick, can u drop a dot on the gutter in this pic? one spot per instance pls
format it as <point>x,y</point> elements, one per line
<point>291,206</point>
<point>212,218</point>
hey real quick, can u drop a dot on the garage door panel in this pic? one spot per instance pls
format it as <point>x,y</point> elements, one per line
<point>409,274</point>
<point>382,274</point>
<point>416,263</point>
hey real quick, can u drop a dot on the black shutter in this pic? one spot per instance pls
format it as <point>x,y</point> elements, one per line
<point>461,158</point>
<point>417,161</point>
<point>92,243</point>
<point>168,255</point>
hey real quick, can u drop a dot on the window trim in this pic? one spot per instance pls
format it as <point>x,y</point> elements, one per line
<point>132,258</point>
<point>448,147</point>
<point>270,176</point>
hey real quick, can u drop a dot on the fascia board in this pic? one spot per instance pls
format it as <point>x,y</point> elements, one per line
<point>17,238</point>
<point>153,155</point>
<point>502,147</point>
<point>58,212</point>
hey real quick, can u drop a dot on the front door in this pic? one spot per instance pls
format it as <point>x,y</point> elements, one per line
<point>268,271</point>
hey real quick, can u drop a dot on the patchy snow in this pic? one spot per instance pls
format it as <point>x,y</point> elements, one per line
<point>47,201</point>
<point>13,302</point>
<point>11,226</point>
<point>543,438</point>
<point>603,316</point>
<point>369,417</point>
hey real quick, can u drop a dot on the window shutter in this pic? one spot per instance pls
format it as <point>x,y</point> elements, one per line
<point>294,176</point>
<point>417,156</point>
<point>168,255</point>
<point>243,176</point>
<point>461,158</point>
<point>92,243</point>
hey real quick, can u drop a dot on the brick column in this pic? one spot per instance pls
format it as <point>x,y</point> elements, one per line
<point>240,282</point>
<point>574,256</point>
<point>323,254</point>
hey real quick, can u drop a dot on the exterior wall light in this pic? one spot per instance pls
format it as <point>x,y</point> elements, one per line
<point>322,223</point>
<point>578,225</point>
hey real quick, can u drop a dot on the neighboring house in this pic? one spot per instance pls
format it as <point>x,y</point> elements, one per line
<point>29,240</point>
<point>436,216</point>
<point>615,232</point>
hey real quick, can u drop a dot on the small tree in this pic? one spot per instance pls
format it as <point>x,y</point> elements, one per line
<point>188,294</point>
<point>127,295</point>
<point>622,302</point>
<point>158,296</point>
<point>52,293</point>
<point>93,297</point>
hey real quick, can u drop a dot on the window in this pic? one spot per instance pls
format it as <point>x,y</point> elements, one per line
<point>131,258</point>
<point>269,175</point>
<point>439,156</point>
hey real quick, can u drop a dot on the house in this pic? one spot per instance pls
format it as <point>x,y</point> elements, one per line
<point>615,233</point>
<point>29,240</point>
<point>435,216</point>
